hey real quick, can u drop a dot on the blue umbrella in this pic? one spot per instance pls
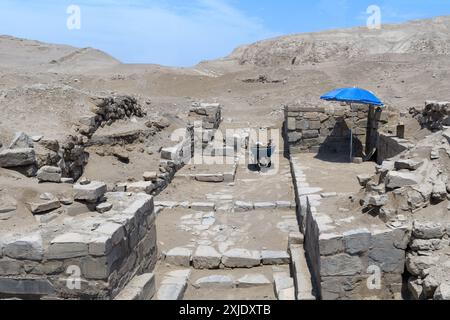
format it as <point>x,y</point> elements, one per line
<point>352,95</point>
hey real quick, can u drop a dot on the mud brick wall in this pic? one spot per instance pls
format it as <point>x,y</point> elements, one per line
<point>327,129</point>
<point>108,249</point>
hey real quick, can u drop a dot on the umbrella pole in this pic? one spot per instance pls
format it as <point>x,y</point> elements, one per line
<point>351,145</point>
<point>351,138</point>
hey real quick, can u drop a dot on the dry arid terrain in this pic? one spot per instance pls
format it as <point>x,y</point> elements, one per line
<point>98,120</point>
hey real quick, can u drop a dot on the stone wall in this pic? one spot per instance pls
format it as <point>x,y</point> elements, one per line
<point>206,118</point>
<point>342,257</point>
<point>434,116</point>
<point>108,249</point>
<point>69,153</point>
<point>320,129</point>
<point>390,146</point>
<point>428,261</point>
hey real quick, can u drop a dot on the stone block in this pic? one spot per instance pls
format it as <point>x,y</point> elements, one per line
<point>426,245</point>
<point>96,268</point>
<point>302,124</point>
<point>241,206</point>
<point>10,158</point>
<point>7,204</point>
<point>416,265</point>
<point>330,244</point>
<point>253,280</point>
<point>114,231</point>
<point>141,187</point>
<point>49,174</point>
<point>294,137</point>
<point>296,238</point>
<point>26,286</point>
<point>68,245</point>
<point>140,288</point>
<point>44,206</point>
<point>100,246</point>
<point>173,285</point>
<point>241,258</point>
<point>314,125</point>
<point>310,134</point>
<point>283,204</point>
<point>215,282</point>
<point>167,204</point>
<point>150,176</point>
<point>301,273</point>
<point>215,178</point>
<point>430,230</point>
<point>340,265</point>
<point>287,294</point>
<point>442,292</point>
<point>364,179</point>
<point>275,257</point>
<point>27,247</point>
<point>171,292</point>
<point>265,205</point>
<point>357,241</point>
<point>104,207</point>
<point>203,206</point>
<point>20,141</point>
<point>206,257</point>
<point>377,200</point>
<point>291,124</point>
<point>391,238</point>
<point>390,260</point>
<point>408,164</point>
<point>90,192</point>
<point>78,208</point>
<point>10,267</point>
<point>169,153</point>
<point>400,179</point>
<point>179,257</point>
<point>305,109</point>
<point>284,286</point>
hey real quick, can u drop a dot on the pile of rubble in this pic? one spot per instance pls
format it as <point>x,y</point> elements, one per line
<point>411,181</point>
<point>108,110</point>
<point>435,116</point>
<point>428,261</point>
<point>414,188</point>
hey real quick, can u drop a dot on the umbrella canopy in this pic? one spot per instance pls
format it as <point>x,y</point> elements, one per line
<point>352,95</point>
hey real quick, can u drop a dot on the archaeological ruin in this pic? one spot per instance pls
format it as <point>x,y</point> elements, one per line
<point>232,179</point>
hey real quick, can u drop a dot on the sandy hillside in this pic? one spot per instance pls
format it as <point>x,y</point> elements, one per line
<point>45,88</point>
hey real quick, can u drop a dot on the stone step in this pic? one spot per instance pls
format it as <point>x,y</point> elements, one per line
<point>232,284</point>
<point>207,257</point>
<point>236,206</point>
<point>302,276</point>
<point>251,280</point>
<point>284,286</point>
<point>139,288</point>
<point>173,285</point>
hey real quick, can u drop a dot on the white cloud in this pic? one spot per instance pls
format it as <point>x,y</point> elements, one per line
<point>158,31</point>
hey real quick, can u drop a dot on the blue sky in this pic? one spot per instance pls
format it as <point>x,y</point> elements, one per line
<point>182,33</point>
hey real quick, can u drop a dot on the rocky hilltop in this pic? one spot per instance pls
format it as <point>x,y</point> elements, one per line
<point>429,37</point>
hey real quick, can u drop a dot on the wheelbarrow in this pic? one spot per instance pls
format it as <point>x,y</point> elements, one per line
<point>262,155</point>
